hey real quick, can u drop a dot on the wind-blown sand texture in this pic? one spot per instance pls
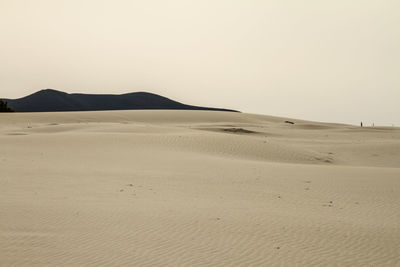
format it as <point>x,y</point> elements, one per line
<point>196,188</point>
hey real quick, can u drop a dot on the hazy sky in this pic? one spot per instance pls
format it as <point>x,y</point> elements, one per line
<point>322,60</point>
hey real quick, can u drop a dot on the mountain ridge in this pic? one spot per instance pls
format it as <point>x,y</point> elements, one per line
<point>51,100</point>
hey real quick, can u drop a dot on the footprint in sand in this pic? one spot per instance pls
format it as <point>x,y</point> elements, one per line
<point>330,204</point>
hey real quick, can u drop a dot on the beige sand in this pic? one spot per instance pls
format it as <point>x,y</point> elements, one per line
<point>196,188</point>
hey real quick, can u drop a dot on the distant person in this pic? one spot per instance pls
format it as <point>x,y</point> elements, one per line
<point>361,124</point>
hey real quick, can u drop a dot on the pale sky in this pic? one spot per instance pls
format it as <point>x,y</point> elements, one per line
<point>334,61</point>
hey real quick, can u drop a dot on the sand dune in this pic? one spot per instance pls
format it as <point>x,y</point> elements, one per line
<point>196,188</point>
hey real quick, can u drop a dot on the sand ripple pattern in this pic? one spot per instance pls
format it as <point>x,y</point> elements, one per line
<point>176,189</point>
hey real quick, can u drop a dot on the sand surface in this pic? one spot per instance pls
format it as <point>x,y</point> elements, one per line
<point>196,188</point>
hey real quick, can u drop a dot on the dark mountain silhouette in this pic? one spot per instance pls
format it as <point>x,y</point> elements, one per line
<point>50,100</point>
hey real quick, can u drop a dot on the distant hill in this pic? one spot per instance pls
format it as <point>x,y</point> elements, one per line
<point>50,100</point>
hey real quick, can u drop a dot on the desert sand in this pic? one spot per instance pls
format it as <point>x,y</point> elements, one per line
<point>196,188</point>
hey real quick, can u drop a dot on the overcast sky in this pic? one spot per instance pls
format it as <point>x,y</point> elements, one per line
<point>336,61</point>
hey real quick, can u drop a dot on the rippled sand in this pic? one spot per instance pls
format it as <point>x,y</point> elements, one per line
<point>196,188</point>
